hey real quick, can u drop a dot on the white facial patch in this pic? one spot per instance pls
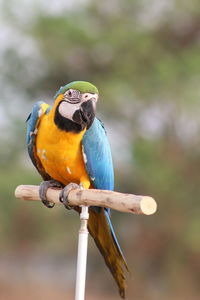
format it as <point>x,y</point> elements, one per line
<point>67,109</point>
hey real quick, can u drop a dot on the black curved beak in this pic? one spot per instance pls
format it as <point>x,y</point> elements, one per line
<point>85,115</point>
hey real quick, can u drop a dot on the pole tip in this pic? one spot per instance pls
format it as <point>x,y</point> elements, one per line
<point>148,205</point>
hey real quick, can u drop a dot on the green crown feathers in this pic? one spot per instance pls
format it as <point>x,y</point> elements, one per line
<point>82,86</point>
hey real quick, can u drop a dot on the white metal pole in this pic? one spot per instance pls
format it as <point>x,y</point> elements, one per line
<point>82,255</point>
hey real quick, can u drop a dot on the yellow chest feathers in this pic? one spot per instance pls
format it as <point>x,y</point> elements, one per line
<point>61,153</point>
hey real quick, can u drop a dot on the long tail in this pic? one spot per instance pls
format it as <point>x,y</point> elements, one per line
<point>101,230</point>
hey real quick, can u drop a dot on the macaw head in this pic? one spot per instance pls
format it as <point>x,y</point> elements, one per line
<point>75,106</point>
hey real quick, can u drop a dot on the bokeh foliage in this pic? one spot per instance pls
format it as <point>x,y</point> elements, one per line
<point>144,58</point>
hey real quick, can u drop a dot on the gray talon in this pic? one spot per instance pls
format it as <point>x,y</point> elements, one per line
<point>63,196</point>
<point>43,190</point>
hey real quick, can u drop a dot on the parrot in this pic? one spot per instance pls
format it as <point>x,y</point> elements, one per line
<point>69,147</point>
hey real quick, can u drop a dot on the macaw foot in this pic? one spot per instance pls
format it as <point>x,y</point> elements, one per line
<point>43,191</point>
<point>63,197</point>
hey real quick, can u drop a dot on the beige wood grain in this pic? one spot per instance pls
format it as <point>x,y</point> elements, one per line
<point>119,201</point>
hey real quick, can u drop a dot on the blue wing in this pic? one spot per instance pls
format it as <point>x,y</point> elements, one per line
<point>33,120</point>
<point>98,158</point>
<point>98,162</point>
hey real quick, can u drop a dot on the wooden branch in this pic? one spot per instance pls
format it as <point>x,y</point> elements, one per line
<point>123,202</point>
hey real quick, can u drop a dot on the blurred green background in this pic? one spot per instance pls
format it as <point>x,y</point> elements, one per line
<point>144,57</point>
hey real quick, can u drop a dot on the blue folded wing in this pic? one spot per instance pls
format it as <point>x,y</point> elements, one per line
<point>31,132</point>
<point>98,158</point>
<point>98,162</point>
<point>33,120</point>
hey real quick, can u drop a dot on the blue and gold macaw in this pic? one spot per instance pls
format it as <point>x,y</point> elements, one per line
<point>68,145</point>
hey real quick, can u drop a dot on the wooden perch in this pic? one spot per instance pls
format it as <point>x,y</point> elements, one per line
<point>123,202</point>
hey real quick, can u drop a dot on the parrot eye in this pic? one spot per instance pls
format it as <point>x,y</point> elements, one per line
<point>69,93</point>
<point>72,96</point>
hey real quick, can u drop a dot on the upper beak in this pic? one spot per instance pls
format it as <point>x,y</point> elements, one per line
<point>88,112</point>
<point>85,115</point>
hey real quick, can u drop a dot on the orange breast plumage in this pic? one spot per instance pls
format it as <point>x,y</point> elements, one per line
<point>60,153</point>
